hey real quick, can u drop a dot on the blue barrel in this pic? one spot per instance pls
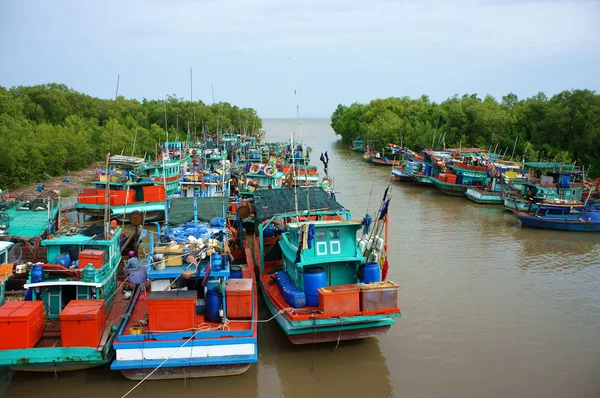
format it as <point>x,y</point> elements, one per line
<point>63,259</point>
<point>427,170</point>
<point>372,273</point>
<point>216,262</point>
<point>314,278</point>
<point>566,183</point>
<point>214,300</point>
<point>459,179</point>
<point>235,272</point>
<point>37,273</point>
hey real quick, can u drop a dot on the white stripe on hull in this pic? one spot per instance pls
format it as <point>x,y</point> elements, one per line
<point>132,354</point>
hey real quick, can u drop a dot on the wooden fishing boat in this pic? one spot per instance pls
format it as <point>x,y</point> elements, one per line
<point>548,182</point>
<point>358,145</point>
<point>459,178</point>
<point>564,218</point>
<point>199,317</point>
<point>131,194</point>
<point>378,160</point>
<point>313,289</point>
<point>72,307</point>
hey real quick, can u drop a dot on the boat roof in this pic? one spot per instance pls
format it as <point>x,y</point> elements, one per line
<point>551,165</point>
<point>274,202</point>
<point>29,223</point>
<point>131,160</point>
<point>5,245</point>
<point>325,223</point>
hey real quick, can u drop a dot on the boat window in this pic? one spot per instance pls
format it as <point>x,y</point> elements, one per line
<point>73,251</point>
<point>334,233</point>
<point>334,247</point>
<point>3,258</point>
<point>321,248</point>
<point>555,211</point>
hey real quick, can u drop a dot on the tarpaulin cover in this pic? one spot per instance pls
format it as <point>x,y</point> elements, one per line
<point>271,202</point>
<point>182,209</point>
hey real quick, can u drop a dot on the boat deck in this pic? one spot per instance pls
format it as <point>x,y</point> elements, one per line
<point>52,332</point>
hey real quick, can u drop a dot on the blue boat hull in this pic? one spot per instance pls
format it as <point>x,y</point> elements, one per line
<point>562,225</point>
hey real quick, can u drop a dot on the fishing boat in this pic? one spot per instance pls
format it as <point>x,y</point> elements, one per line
<point>422,167</point>
<point>260,176</point>
<point>503,176</point>
<point>564,218</point>
<point>128,190</point>
<point>459,177</point>
<point>199,317</point>
<point>316,280</point>
<point>547,182</point>
<point>378,160</point>
<point>6,269</point>
<point>28,222</point>
<point>358,145</point>
<point>410,164</point>
<point>72,307</point>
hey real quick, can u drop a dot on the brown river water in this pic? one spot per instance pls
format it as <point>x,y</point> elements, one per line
<point>489,309</point>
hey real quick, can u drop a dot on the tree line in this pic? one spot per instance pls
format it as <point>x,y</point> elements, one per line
<point>565,127</point>
<point>47,130</point>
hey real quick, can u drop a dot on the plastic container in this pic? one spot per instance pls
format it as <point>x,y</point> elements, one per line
<point>214,301</point>
<point>171,311</point>
<point>83,323</point>
<point>296,298</point>
<point>37,273</point>
<point>314,278</point>
<point>21,324</point>
<point>459,179</point>
<point>238,296</point>
<point>138,276</point>
<point>371,273</point>
<point>378,296</point>
<point>235,272</point>
<point>90,256</point>
<point>216,262</point>
<point>339,300</point>
<point>63,259</point>
<point>451,178</point>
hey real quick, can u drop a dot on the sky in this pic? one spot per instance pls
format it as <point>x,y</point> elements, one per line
<point>257,53</point>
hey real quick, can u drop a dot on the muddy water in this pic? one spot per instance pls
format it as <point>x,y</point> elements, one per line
<point>489,309</point>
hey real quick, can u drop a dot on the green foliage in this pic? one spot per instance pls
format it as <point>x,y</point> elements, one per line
<point>49,129</point>
<point>565,127</point>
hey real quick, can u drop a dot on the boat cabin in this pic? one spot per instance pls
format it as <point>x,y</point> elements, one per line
<point>331,245</point>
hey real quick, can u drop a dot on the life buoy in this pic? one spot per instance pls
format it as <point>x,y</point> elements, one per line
<point>269,171</point>
<point>255,168</point>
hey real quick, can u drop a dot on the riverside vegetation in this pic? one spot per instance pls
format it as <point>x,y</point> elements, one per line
<point>565,127</point>
<point>47,130</point>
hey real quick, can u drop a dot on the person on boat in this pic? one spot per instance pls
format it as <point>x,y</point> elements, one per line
<point>132,263</point>
<point>377,155</point>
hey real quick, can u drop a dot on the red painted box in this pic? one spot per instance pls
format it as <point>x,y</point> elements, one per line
<point>82,323</point>
<point>339,300</point>
<point>172,311</point>
<point>21,324</point>
<point>238,296</point>
<point>91,256</point>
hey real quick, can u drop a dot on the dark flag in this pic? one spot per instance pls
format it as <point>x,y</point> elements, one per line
<point>384,210</point>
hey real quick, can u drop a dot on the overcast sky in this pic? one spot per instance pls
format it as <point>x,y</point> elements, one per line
<point>256,52</point>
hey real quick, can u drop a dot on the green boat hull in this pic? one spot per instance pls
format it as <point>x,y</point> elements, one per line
<point>484,197</point>
<point>448,188</point>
